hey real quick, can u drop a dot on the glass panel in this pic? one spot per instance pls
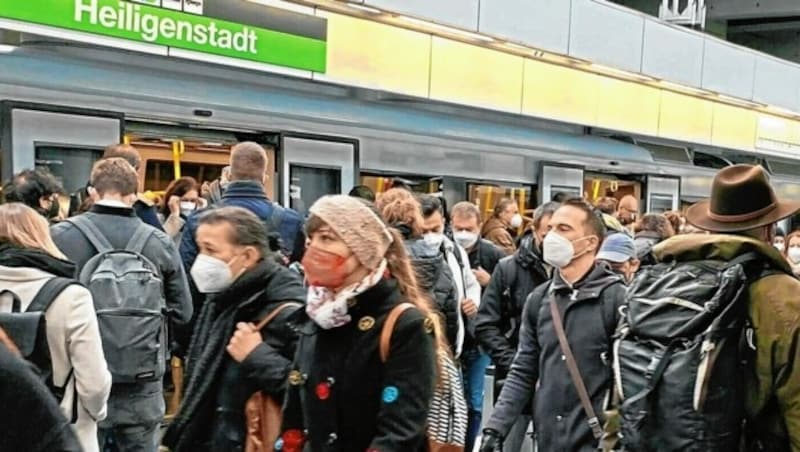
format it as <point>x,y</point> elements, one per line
<point>71,166</point>
<point>660,203</point>
<point>159,173</point>
<point>486,196</point>
<point>309,184</point>
<point>380,184</point>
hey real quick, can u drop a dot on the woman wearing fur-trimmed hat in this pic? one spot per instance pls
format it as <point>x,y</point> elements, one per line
<point>341,395</point>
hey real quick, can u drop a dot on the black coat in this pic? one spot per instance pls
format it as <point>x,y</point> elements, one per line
<point>211,417</point>
<point>485,255</point>
<point>31,419</point>
<point>346,399</point>
<point>498,321</point>
<point>590,312</point>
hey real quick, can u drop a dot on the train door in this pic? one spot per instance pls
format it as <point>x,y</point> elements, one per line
<point>555,178</point>
<point>663,193</point>
<point>65,140</point>
<point>313,166</point>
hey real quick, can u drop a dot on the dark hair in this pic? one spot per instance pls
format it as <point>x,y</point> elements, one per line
<point>114,175</point>
<point>247,229</point>
<point>593,219</point>
<point>545,210</point>
<point>607,205</point>
<point>178,187</point>
<point>655,223</point>
<point>124,151</point>
<point>29,186</point>
<point>674,219</point>
<point>559,197</point>
<point>362,192</point>
<point>248,162</point>
<point>502,205</point>
<point>430,205</point>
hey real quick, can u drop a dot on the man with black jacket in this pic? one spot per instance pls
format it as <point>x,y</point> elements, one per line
<point>585,297</point>
<point>497,325</point>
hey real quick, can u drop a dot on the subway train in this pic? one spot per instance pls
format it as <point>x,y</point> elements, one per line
<point>62,104</point>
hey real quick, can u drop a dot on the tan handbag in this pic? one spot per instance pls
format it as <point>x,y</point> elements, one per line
<point>262,412</point>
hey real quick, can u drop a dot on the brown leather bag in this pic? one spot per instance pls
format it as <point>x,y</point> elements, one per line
<point>262,412</point>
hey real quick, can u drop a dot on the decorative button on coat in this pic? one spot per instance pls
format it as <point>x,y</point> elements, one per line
<point>366,323</point>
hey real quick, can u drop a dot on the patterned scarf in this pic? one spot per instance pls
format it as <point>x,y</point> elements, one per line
<point>329,309</point>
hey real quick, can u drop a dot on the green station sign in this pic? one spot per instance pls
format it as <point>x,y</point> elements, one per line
<point>176,29</point>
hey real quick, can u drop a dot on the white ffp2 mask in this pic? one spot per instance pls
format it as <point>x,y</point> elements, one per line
<point>516,221</point>
<point>211,275</point>
<point>465,239</point>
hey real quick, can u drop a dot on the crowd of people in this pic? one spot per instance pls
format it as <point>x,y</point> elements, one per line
<point>370,324</point>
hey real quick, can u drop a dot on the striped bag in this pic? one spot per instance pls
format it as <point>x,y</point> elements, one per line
<point>447,417</point>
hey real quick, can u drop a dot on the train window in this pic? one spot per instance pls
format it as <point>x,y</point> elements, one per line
<point>486,196</point>
<point>159,173</point>
<point>660,203</point>
<point>311,183</point>
<point>71,166</point>
<point>382,183</point>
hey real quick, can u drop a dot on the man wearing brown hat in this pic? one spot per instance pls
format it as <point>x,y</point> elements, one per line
<point>741,216</point>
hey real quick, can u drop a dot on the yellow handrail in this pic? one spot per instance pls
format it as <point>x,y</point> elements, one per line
<point>178,148</point>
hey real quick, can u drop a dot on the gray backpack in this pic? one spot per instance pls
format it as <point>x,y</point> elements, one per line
<point>129,299</point>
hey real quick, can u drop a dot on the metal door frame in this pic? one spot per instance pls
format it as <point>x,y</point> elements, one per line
<point>647,192</point>
<point>540,178</point>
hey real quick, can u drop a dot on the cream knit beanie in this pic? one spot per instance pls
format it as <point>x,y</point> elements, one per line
<point>357,225</point>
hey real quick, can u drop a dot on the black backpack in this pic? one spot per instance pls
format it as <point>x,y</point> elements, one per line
<point>680,351</point>
<point>28,331</point>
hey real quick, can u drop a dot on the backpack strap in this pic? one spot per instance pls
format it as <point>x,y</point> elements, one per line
<point>16,303</point>
<point>92,233</point>
<point>272,315</point>
<point>385,343</point>
<point>137,242</point>
<point>48,293</point>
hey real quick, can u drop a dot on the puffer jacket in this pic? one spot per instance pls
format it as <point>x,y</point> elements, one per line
<point>435,277</point>
<point>772,399</point>
<point>497,232</point>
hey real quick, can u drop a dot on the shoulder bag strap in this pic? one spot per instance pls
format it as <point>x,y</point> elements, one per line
<point>48,293</point>
<point>92,233</point>
<point>388,328</point>
<point>271,316</point>
<point>574,372</point>
<point>139,240</point>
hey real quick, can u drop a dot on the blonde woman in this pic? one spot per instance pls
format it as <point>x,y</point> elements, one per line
<point>28,260</point>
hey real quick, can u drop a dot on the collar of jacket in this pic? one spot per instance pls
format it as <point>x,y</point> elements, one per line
<point>245,189</point>
<point>492,224</point>
<point>529,256</point>
<point>588,287</point>
<point>692,247</point>
<point>111,210</point>
<point>17,257</point>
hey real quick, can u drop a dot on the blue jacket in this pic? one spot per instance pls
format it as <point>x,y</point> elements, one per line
<point>249,195</point>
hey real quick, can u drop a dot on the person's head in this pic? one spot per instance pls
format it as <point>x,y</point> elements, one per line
<point>230,241</point>
<point>541,220</point>
<point>607,205</point>
<point>37,189</point>
<point>113,179</point>
<point>432,214</point>
<point>466,223</point>
<point>779,241</point>
<point>676,220</point>
<point>627,210</point>
<point>248,162</point>
<point>507,211</point>
<point>559,197</point>
<point>400,209</point>
<point>23,227</point>
<point>656,223</point>
<point>576,234</point>
<point>363,192</point>
<point>619,252</point>
<point>792,250</point>
<point>742,202</point>
<point>185,188</point>
<point>124,151</point>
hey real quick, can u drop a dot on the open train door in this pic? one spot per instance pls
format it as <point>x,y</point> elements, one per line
<point>313,166</point>
<point>663,193</point>
<point>65,140</point>
<point>559,178</point>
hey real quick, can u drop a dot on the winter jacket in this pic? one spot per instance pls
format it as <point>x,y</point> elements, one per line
<point>147,212</point>
<point>173,226</point>
<point>485,255</point>
<point>436,279</point>
<point>497,232</point>
<point>249,195</point>
<point>341,393</point>
<point>589,310</point>
<point>498,321</point>
<point>467,287</point>
<point>644,242</point>
<point>773,386</point>
<point>76,352</point>
<point>211,417</point>
<point>137,403</point>
<point>31,419</point>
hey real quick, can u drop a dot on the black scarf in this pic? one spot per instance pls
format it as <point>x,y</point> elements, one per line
<point>206,356</point>
<point>15,256</point>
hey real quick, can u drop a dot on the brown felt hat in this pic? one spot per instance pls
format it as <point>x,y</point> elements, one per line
<point>741,199</point>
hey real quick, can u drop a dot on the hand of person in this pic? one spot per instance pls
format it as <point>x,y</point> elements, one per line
<point>202,203</point>
<point>469,308</point>
<point>490,441</point>
<point>244,341</point>
<point>482,276</point>
<point>205,189</point>
<point>174,204</point>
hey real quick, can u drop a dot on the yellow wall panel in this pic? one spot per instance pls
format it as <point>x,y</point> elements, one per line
<point>628,106</point>
<point>685,118</point>
<point>475,76</point>
<point>558,92</point>
<point>378,56</point>
<point>734,127</point>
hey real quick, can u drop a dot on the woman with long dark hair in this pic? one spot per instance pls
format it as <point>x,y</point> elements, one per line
<point>180,200</point>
